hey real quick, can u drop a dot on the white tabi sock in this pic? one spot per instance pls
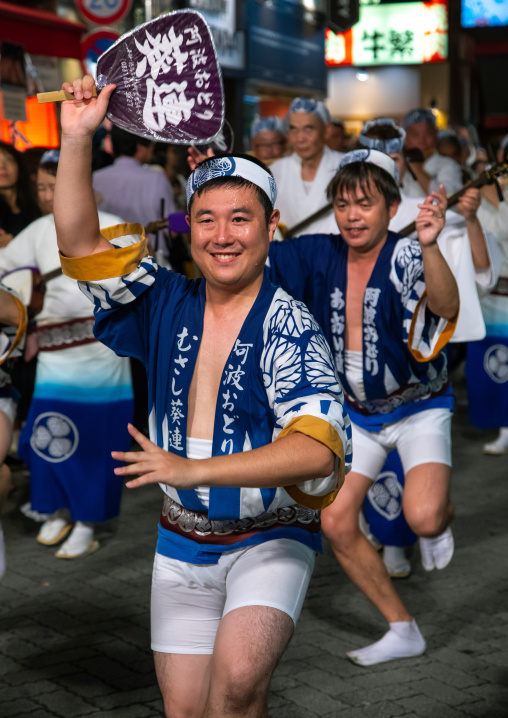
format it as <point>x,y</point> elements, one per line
<point>395,560</point>
<point>403,640</point>
<point>499,445</point>
<point>79,541</point>
<point>437,552</point>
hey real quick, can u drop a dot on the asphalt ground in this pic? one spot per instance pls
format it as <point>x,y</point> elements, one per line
<point>74,635</point>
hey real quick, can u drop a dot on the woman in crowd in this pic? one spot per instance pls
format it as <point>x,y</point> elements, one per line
<point>18,206</point>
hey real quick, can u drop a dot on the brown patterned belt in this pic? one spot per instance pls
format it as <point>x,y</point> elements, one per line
<point>198,527</point>
<point>65,335</point>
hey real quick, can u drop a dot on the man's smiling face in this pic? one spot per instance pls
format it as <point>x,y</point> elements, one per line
<point>230,236</point>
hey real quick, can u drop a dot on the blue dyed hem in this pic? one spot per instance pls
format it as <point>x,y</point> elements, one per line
<point>172,545</point>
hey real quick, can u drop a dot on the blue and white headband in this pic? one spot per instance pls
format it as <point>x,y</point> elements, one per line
<point>50,156</point>
<point>312,107</point>
<point>419,115</point>
<point>231,167</point>
<point>390,147</point>
<point>268,124</point>
<point>374,157</point>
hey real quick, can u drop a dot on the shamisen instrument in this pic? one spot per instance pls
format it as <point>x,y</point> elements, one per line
<point>489,176</point>
<point>168,80</point>
<point>30,285</point>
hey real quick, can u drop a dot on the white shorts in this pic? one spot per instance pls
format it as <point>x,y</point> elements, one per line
<point>421,438</point>
<point>189,600</point>
<point>8,406</point>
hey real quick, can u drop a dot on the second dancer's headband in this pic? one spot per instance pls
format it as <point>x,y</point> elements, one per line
<point>232,167</point>
<point>373,157</point>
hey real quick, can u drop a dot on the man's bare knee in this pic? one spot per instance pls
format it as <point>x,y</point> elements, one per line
<point>428,521</point>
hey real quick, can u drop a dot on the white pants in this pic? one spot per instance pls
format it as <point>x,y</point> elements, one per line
<point>8,406</point>
<point>189,600</point>
<point>421,438</point>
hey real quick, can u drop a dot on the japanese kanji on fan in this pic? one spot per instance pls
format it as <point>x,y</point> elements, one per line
<point>169,84</point>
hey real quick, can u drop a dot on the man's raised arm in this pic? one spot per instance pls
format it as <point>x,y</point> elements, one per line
<point>75,210</point>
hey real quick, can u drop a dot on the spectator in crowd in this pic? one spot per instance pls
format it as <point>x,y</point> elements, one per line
<point>268,139</point>
<point>335,136</point>
<point>427,168</point>
<point>13,320</point>
<point>449,144</point>
<point>486,363</point>
<point>82,396</point>
<point>302,178</point>
<point>18,206</point>
<point>128,189</point>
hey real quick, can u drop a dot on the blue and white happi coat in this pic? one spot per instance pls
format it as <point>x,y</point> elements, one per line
<point>404,365</point>
<point>278,379</point>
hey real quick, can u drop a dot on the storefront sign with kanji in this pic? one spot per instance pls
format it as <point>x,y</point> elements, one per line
<point>407,33</point>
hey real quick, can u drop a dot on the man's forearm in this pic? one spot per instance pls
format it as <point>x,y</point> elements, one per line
<point>76,218</point>
<point>290,460</point>
<point>442,290</point>
<point>479,251</point>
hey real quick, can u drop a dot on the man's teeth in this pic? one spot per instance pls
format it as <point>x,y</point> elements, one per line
<point>225,256</point>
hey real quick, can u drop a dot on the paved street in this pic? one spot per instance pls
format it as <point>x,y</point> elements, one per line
<point>74,635</point>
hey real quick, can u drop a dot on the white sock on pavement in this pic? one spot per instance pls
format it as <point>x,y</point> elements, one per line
<point>403,640</point>
<point>437,552</point>
<point>499,445</point>
<point>79,541</point>
<point>395,560</point>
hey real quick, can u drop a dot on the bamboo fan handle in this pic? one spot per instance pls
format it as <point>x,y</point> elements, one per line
<point>59,96</point>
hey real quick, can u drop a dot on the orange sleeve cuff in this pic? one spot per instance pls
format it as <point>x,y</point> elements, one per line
<point>116,262</point>
<point>323,432</point>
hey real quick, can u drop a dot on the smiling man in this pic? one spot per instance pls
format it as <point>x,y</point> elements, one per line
<point>249,438</point>
<point>387,305</point>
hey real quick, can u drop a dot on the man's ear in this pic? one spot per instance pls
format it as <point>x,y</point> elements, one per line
<point>394,208</point>
<point>187,219</point>
<point>272,223</point>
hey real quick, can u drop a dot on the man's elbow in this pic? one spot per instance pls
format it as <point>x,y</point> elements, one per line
<point>446,310</point>
<point>325,462</point>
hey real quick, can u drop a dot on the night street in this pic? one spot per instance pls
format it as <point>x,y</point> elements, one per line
<point>74,635</point>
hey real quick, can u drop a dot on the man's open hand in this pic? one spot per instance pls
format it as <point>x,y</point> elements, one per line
<point>154,465</point>
<point>83,115</point>
<point>195,157</point>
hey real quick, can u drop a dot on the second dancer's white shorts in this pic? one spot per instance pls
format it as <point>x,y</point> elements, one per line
<point>421,438</point>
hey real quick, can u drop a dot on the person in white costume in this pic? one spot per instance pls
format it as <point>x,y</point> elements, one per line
<point>493,214</point>
<point>70,362</point>
<point>302,178</point>
<point>268,138</point>
<point>13,321</point>
<point>435,170</point>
